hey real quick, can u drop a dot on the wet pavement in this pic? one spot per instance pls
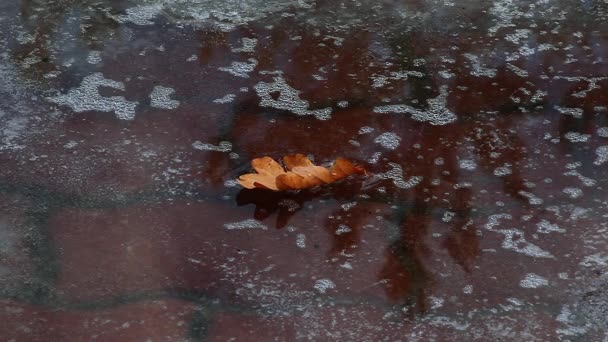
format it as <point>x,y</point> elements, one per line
<point>483,126</point>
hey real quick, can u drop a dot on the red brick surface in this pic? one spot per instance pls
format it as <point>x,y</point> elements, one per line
<point>157,320</point>
<point>17,262</point>
<point>185,246</point>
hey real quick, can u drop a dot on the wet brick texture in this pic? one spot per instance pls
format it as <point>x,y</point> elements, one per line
<point>489,227</point>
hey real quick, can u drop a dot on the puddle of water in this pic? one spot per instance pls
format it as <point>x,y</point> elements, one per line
<point>483,128</point>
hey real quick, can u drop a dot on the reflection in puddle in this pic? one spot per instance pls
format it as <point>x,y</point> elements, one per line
<point>125,125</point>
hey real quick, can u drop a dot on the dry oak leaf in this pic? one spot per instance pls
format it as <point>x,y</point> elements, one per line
<point>301,173</point>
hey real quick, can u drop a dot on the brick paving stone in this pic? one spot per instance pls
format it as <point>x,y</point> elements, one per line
<point>336,323</point>
<point>180,246</point>
<point>153,320</point>
<point>94,154</point>
<point>260,134</point>
<point>470,267</point>
<point>368,323</point>
<point>18,261</point>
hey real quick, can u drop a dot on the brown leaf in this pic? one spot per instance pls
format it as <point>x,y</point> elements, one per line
<point>267,171</point>
<point>296,160</point>
<point>302,174</point>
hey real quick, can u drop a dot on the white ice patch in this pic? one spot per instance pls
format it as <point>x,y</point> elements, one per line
<point>289,99</point>
<point>223,146</point>
<point>436,114</point>
<point>245,224</point>
<point>533,281</point>
<point>240,69</point>
<point>602,155</point>
<point>87,98</point>
<point>322,285</point>
<point>159,98</point>
<point>602,132</point>
<point>388,140</point>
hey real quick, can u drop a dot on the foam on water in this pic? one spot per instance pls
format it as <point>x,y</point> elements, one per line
<point>467,164</point>
<point>322,285</point>
<point>245,224</point>
<point>517,71</point>
<point>597,260</point>
<point>585,180</point>
<point>10,131</point>
<point>602,132</point>
<point>577,137</point>
<point>140,15</point>
<point>365,130</point>
<point>223,146</point>
<point>573,192</point>
<point>602,155</point>
<point>514,239</point>
<point>396,174</point>
<point>247,45</point>
<point>533,281</point>
<point>289,99</point>
<point>436,114</point>
<point>86,97</point>
<point>505,11</point>
<point>159,98</point>
<point>502,171</point>
<point>388,140</point>
<point>532,199</point>
<point>94,57</point>
<point>575,112</point>
<point>301,241</point>
<point>379,81</point>
<point>240,69</point>
<point>226,99</point>
<point>546,227</point>
<point>477,69</point>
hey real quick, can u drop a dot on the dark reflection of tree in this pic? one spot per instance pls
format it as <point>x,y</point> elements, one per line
<point>406,278</point>
<point>405,274</point>
<point>287,204</point>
